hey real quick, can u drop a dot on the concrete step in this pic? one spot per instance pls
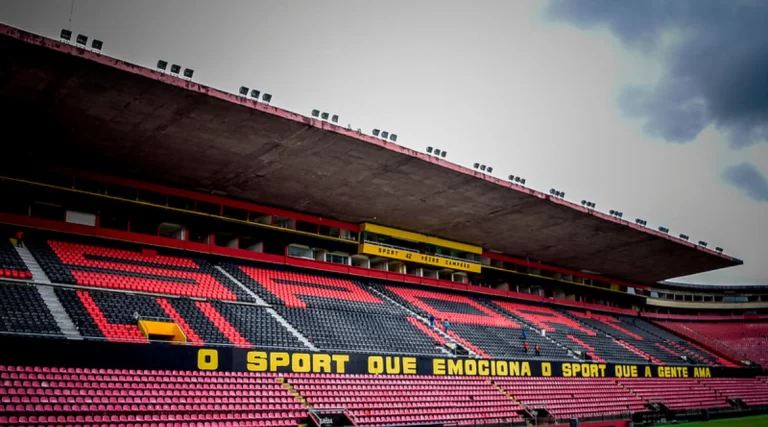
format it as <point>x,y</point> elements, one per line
<point>38,275</point>
<point>61,316</point>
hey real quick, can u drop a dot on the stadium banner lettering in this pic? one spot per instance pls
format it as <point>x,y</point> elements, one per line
<point>418,258</point>
<point>98,354</point>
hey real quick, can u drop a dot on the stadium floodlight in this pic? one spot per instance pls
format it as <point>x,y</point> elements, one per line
<point>385,134</point>
<point>443,154</point>
<point>552,191</point>
<point>703,243</point>
<point>612,212</point>
<point>243,91</point>
<point>376,132</point>
<point>562,194</point>
<point>621,214</point>
<point>476,165</point>
<point>429,150</point>
<point>664,229</point>
<point>719,249</point>
<point>315,113</point>
<point>517,179</point>
<point>162,65</point>
<point>175,69</point>
<point>266,98</point>
<point>522,181</point>
<point>591,205</point>
<point>684,236</point>
<point>97,44</point>
<point>393,138</point>
<point>438,152</point>
<point>82,40</point>
<point>335,118</point>
<point>324,116</point>
<point>511,177</point>
<point>255,94</point>
<point>188,73</point>
<point>482,168</point>
<point>490,169</point>
<point>66,35</point>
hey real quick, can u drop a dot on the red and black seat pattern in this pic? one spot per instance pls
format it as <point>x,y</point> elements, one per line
<point>131,270</point>
<point>335,313</point>
<point>111,315</point>
<point>676,393</point>
<point>573,397</point>
<point>50,396</point>
<point>473,324</point>
<point>570,333</point>
<point>11,264</point>
<point>403,400</point>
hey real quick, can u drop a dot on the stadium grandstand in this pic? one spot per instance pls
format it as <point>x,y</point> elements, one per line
<point>174,255</point>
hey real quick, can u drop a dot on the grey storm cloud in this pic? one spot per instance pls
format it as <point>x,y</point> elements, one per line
<point>748,179</point>
<point>716,71</point>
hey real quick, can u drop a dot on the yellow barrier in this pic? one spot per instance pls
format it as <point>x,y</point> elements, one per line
<point>162,331</point>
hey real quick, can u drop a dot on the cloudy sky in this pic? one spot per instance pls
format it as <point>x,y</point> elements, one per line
<point>655,108</point>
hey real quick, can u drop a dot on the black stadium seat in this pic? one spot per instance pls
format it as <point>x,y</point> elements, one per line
<point>22,311</point>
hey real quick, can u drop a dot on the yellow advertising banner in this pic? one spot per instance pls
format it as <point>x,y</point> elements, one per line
<point>454,264</point>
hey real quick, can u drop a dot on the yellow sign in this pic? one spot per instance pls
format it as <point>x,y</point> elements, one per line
<point>436,261</point>
<point>418,237</point>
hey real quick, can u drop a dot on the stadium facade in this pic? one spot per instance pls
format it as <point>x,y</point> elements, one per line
<point>177,255</point>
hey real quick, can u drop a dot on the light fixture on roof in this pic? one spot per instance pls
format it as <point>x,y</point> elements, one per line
<point>188,73</point>
<point>175,69</point>
<point>482,168</point>
<point>315,113</point>
<point>702,243</point>
<point>324,115</point>
<point>393,138</point>
<point>162,65</point>
<point>82,40</point>
<point>664,229</point>
<point>641,222</point>
<point>243,91</point>
<point>684,237</point>
<point>719,249</point>
<point>430,150</point>
<point>335,118</point>
<point>376,132</point>
<point>617,214</point>
<point>476,165</point>
<point>66,35</point>
<point>490,169</point>
<point>266,98</point>
<point>255,94</point>
<point>385,134</point>
<point>97,45</point>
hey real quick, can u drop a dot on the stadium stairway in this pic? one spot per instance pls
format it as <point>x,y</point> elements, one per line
<point>280,319</point>
<point>60,315</point>
<point>439,332</point>
<point>38,274</point>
